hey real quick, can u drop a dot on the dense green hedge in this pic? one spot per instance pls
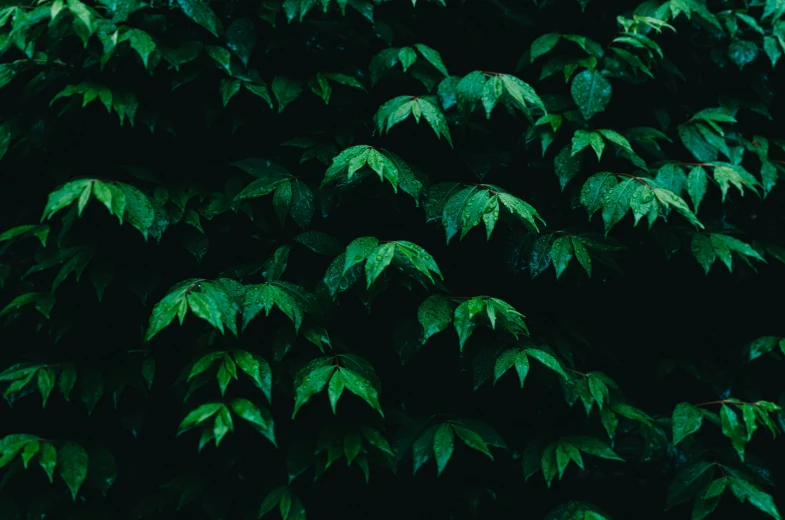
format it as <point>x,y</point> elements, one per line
<point>384,259</point>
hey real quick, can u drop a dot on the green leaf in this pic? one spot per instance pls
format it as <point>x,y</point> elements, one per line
<point>433,57</point>
<point>103,469</point>
<point>362,388</point>
<point>422,448</point>
<point>733,429</point>
<point>286,90</point>
<point>92,385</point>
<point>139,210</point>
<point>697,181</point>
<point>65,196</point>
<point>40,232</point>
<point>259,418</point>
<point>272,499</point>
<point>703,251</point>
<point>228,88</point>
<point>379,259</point>
<point>463,318</point>
<point>727,175</point>
<point>490,215</point>
<point>257,369</point>
<point>594,190</point>
<point>644,203</point>
<point>112,197</point>
<point>48,460</point>
<point>566,165</point>
<point>226,372</point>
<point>616,202</point>
<point>201,13</point>
<point>72,462</point>
<point>241,38</point>
<point>376,439</point>
<point>546,359</point>
<point>472,439</point>
<point>142,43</point>
<point>335,389</point>
<point>198,416</point>
<point>688,481</point>
<point>591,91</point>
<point>760,347</point>
<point>267,183</point>
<point>443,446</point>
<point>358,251</point>
<point>46,383</point>
<point>742,52</point>
<point>302,207</point>
<point>310,380</point>
<point>686,420</point>
<point>543,45</point>
<point>43,303</point>
<point>582,255</point>
<point>522,94</point>
<point>561,254</point>
<point>520,209</point>
<point>473,211</point>
<point>30,450</point>
<point>435,315</point>
<point>746,491</point>
<point>407,56</point>
<point>772,49</point>
<point>319,242</point>
<point>593,446</point>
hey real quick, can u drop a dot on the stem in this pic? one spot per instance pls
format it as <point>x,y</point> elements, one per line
<point>708,165</point>
<point>636,178</point>
<point>724,401</point>
<point>483,186</point>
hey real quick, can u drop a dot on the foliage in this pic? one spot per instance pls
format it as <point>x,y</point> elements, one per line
<point>284,235</point>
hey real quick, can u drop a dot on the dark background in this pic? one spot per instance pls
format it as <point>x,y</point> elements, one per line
<point>658,309</point>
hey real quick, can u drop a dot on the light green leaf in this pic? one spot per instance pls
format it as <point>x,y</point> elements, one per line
<point>697,181</point>
<point>547,360</point>
<point>65,196</point>
<point>733,429</point>
<point>433,57</point>
<point>543,45</point>
<point>591,91</point>
<point>310,380</point>
<point>561,254</point>
<point>520,209</point>
<point>72,463</point>
<point>359,250</point>
<point>472,439</point>
<point>443,446</point>
<point>198,416</point>
<point>378,261</point>
<point>407,57</point>
<point>463,318</point>
<point>435,315</point>
<point>703,251</point>
<point>746,491</point>
<point>593,446</point>
<point>259,417</point>
<point>594,190</point>
<point>686,420</point>
<point>362,388</point>
<point>616,202</point>
<point>200,12</point>
<point>48,460</point>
